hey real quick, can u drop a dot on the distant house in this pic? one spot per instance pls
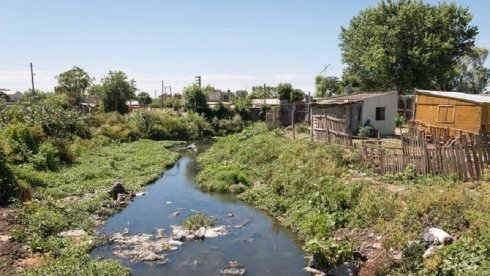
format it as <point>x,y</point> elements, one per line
<point>90,103</point>
<point>12,96</point>
<point>132,105</point>
<point>379,108</point>
<point>454,110</point>
<point>219,96</point>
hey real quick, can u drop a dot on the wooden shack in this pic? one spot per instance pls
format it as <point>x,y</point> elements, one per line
<point>454,110</point>
<point>379,108</point>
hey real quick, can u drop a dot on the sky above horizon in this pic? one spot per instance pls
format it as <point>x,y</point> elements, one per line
<point>231,44</point>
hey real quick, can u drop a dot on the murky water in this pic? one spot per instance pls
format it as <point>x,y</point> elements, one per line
<point>262,245</point>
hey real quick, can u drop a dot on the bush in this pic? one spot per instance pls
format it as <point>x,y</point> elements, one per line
<point>47,158</point>
<point>7,181</point>
<point>18,143</point>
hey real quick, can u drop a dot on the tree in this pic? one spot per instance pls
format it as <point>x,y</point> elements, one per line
<point>96,89</point>
<point>258,92</point>
<point>241,93</point>
<point>406,44</point>
<point>242,103</point>
<point>117,89</point>
<point>144,98</point>
<point>326,86</point>
<point>73,83</point>
<point>194,99</point>
<point>3,96</point>
<point>209,89</point>
<point>287,92</point>
<point>472,75</point>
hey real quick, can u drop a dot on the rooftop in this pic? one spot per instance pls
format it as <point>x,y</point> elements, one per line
<point>456,95</point>
<point>350,98</point>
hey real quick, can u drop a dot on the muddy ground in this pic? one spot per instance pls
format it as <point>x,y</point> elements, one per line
<point>14,256</point>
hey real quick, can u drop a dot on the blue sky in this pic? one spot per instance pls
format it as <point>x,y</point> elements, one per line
<point>231,44</point>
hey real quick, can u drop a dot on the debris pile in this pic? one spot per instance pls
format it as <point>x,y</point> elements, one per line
<point>149,248</point>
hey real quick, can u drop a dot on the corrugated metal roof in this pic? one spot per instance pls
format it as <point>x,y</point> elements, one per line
<point>350,98</point>
<point>457,96</point>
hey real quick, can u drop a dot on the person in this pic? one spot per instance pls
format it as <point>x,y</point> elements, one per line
<point>372,131</point>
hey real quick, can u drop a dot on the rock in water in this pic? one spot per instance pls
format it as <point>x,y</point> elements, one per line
<point>116,189</point>
<point>233,268</point>
<point>199,233</point>
<point>215,232</point>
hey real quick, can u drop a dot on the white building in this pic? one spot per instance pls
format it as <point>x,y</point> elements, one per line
<point>380,109</point>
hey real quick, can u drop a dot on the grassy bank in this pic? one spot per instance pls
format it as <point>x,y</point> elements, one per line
<point>75,197</point>
<point>328,198</point>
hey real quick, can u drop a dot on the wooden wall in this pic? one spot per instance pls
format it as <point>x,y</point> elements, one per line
<point>468,116</point>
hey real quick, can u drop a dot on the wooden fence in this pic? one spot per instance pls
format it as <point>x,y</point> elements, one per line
<point>332,130</point>
<point>427,150</point>
<point>467,158</point>
<point>273,118</point>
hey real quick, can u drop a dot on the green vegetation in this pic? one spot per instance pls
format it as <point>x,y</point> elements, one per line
<point>75,197</point>
<point>198,220</point>
<point>73,83</point>
<point>406,44</point>
<point>319,190</point>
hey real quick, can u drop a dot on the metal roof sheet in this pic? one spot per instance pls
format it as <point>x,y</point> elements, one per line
<point>456,95</point>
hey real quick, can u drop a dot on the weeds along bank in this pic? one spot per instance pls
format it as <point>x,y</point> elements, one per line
<point>324,194</point>
<point>56,167</point>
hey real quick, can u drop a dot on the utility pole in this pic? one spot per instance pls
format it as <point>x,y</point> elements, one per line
<point>265,93</point>
<point>162,93</point>
<point>198,80</point>
<point>32,80</point>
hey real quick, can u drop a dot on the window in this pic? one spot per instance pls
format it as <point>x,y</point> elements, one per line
<point>445,113</point>
<point>380,113</point>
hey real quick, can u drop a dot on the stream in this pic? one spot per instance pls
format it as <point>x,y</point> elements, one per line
<point>262,245</point>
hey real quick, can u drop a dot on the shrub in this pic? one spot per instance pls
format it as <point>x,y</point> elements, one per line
<point>45,222</point>
<point>7,181</point>
<point>19,143</point>
<point>47,158</point>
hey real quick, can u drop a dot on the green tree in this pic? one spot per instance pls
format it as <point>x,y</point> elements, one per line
<point>242,103</point>
<point>74,83</point>
<point>194,99</point>
<point>406,44</point>
<point>3,96</point>
<point>96,89</point>
<point>258,92</point>
<point>117,89</point>
<point>209,89</point>
<point>287,92</point>
<point>472,75</point>
<point>144,98</point>
<point>326,86</point>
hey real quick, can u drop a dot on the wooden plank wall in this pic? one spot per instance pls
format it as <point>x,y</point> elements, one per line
<point>273,118</point>
<point>331,130</point>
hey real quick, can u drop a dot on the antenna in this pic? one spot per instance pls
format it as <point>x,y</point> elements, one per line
<point>324,71</point>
